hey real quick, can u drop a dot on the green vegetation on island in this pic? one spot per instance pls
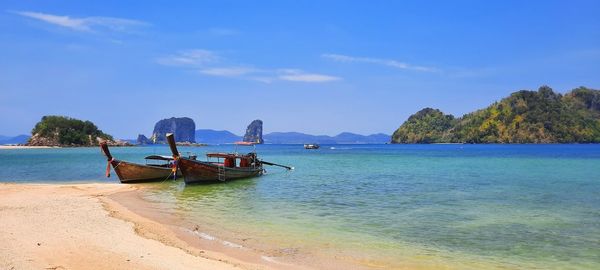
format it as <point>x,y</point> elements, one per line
<point>426,126</point>
<point>541,116</point>
<point>65,131</point>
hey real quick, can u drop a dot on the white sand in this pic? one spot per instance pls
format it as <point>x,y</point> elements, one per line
<point>75,227</point>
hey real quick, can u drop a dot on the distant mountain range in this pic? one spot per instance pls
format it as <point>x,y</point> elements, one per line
<point>216,136</point>
<point>20,139</point>
<point>210,136</point>
<point>222,136</point>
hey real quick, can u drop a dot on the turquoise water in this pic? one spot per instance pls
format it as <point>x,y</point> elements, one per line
<point>462,206</point>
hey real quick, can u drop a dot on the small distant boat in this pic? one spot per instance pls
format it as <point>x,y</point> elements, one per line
<point>129,172</point>
<point>228,166</point>
<point>311,146</point>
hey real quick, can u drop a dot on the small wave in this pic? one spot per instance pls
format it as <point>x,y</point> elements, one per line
<point>209,237</point>
<point>205,236</point>
<point>233,245</point>
<point>268,259</point>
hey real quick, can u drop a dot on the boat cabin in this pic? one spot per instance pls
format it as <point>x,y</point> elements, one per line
<point>235,160</point>
<point>159,161</point>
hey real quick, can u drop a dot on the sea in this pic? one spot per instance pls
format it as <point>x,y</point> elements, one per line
<point>439,206</point>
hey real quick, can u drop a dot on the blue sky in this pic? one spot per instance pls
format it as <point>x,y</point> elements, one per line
<point>320,67</point>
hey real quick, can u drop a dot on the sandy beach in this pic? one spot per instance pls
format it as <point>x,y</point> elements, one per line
<point>51,226</point>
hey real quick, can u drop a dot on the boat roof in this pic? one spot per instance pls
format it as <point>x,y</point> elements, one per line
<point>225,155</point>
<point>158,157</point>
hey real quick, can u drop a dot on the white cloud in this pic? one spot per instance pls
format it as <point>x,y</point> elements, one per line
<point>65,21</point>
<point>308,77</point>
<point>228,71</point>
<point>116,24</point>
<point>300,76</point>
<point>262,79</point>
<point>84,23</point>
<point>211,64</point>
<point>195,57</point>
<point>385,62</point>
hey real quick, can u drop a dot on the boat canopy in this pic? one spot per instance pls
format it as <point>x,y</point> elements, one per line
<point>226,155</point>
<point>157,157</point>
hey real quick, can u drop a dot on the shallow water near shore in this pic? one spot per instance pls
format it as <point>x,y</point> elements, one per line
<point>381,206</point>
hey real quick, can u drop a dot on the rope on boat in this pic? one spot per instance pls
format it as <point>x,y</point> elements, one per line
<point>173,170</point>
<point>169,176</point>
<point>108,167</point>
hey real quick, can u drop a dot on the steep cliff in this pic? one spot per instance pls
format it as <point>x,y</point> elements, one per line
<point>184,129</point>
<point>254,132</point>
<point>143,140</point>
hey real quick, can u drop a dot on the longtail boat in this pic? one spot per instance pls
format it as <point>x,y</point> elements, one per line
<point>311,146</point>
<point>129,172</point>
<point>228,166</point>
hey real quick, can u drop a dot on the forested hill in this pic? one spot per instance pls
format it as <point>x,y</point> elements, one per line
<point>541,116</point>
<point>65,131</point>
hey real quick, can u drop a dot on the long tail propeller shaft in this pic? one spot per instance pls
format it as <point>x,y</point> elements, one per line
<point>275,164</point>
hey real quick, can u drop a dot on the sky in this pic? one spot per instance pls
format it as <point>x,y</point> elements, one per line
<point>319,67</point>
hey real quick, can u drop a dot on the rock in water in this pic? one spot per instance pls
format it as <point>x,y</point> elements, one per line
<point>183,128</point>
<point>143,140</point>
<point>254,132</point>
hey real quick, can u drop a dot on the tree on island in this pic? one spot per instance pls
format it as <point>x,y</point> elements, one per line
<point>541,116</point>
<point>426,126</point>
<point>55,130</point>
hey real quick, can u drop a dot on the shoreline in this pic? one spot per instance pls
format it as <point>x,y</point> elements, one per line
<point>218,243</point>
<point>168,228</point>
<point>82,226</point>
<point>112,226</point>
<point>114,221</point>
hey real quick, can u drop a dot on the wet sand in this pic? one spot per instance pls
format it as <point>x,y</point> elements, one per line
<point>48,226</point>
<point>218,243</point>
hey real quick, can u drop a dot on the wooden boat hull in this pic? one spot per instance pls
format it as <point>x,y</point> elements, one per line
<point>134,173</point>
<point>195,171</point>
